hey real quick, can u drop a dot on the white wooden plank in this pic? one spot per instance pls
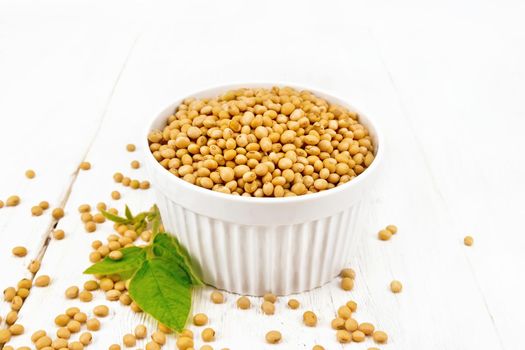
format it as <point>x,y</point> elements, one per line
<point>54,86</point>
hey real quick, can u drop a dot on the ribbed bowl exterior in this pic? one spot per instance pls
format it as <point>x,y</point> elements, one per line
<point>253,260</point>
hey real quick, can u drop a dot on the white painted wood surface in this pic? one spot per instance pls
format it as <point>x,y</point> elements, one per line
<point>445,80</point>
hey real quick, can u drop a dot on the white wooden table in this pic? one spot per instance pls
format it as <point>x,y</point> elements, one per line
<point>445,80</point>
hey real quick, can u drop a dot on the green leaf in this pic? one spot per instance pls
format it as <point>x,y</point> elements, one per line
<point>132,259</point>
<point>163,291</point>
<point>126,275</point>
<point>114,218</point>
<point>154,218</point>
<point>141,217</point>
<point>139,222</point>
<point>168,247</point>
<point>128,213</point>
<point>155,227</point>
<point>153,213</point>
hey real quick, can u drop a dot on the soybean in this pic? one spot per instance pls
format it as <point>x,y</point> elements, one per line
<point>85,296</point>
<point>338,323</point>
<point>85,338</point>
<point>392,228</point>
<point>141,331</point>
<point>380,337</point>
<point>19,251</point>
<point>58,234</point>
<point>268,308</point>
<point>396,286</point>
<point>101,310</point>
<point>159,338</point>
<point>350,273</point>
<point>358,336</point>
<point>116,255</point>
<point>343,336</point>
<point>351,325</point>
<point>12,201</point>
<point>34,266</point>
<point>272,298</point>
<point>208,334</point>
<point>184,343</point>
<point>344,312</point>
<point>347,283</point>
<point>57,213</point>
<point>42,281</point>
<point>5,336</point>
<point>384,235</point>
<point>367,328</point>
<point>129,340</point>
<point>200,319</point>
<point>217,297</point>
<point>16,329</point>
<point>310,319</point>
<point>273,337</point>
<point>85,166</point>
<point>30,174</point>
<point>352,305</point>
<point>93,324</point>
<point>243,303</point>
<point>37,210</point>
<point>293,304</point>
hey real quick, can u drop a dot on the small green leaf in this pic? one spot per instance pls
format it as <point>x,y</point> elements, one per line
<point>132,259</point>
<point>154,218</point>
<point>153,213</point>
<point>156,226</point>
<point>114,218</point>
<point>140,217</point>
<point>168,247</point>
<point>139,222</point>
<point>128,213</point>
<point>163,291</point>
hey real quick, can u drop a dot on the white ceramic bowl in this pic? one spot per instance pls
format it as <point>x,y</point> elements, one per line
<point>250,245</point>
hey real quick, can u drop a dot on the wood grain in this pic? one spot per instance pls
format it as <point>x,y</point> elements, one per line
<point>448,99</point>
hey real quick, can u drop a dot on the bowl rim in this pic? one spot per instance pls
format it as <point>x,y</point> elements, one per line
<point>328,95</point>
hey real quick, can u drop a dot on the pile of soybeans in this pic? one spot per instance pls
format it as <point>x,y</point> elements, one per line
<point>259,142</point>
